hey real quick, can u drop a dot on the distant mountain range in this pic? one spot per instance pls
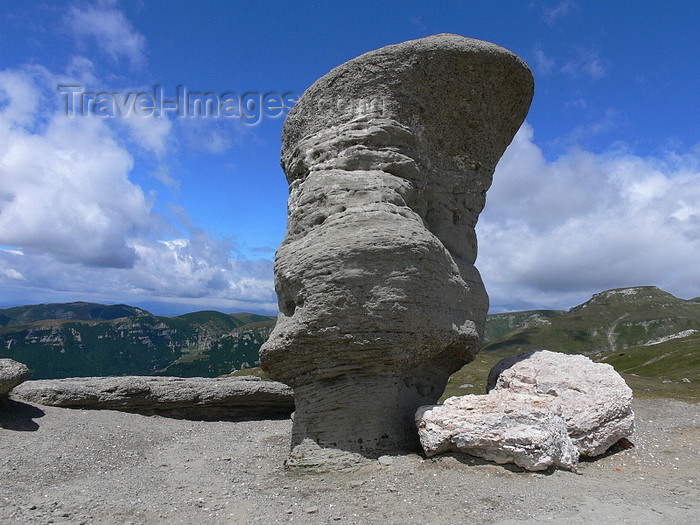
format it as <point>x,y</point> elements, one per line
<point>651,337</point>
<point>88,339</point>
<point>610,321</point>
<point>644,332</point>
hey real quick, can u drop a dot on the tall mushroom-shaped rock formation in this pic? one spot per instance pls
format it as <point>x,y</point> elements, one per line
<point>388,159</point>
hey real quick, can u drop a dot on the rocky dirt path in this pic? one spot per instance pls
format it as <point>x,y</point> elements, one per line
<point>76,466</point>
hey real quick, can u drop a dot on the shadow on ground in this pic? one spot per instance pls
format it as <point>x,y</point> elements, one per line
<point>15,415</point>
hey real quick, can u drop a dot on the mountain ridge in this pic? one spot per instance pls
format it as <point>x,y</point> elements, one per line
<point>649,335</point>
<point>77,310</point>
<point>89,339</point>
<point>610,320</point>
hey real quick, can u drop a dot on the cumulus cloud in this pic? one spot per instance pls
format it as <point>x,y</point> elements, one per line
<point>553,233</point>
<point>74,224</point>
<point>105,25</point>
<point>64,186</point>
<point>72,221</point>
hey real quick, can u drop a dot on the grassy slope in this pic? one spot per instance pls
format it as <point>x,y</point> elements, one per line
<point>659,370</point>
<point>615,326</point>
<point>500,325</point>
<point>655,370</point>
<point>610,321</point>
<point>232,350</point>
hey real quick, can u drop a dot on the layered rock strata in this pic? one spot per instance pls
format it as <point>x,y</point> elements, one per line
<point>388,159</point>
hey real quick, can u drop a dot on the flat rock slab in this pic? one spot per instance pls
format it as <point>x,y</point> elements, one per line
<point>503,426</point>
<point>192,398</point>
<point>12,373</point>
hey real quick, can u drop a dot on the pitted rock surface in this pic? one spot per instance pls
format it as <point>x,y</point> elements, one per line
<point>596,402</point>
<point>388,159</point>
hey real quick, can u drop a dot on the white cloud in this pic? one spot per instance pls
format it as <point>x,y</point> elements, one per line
<point>105,25</point>
<point>150,133</point>
<point>64,186</point>
<point>194,272</point>
<point>66,200</point>
<point>73,224</point>
<point>18,99</point>
<point>586,63</point>
<point>553,233</point>
<point>543,63</point>
<point>12,274</point>
<point>561,10</point>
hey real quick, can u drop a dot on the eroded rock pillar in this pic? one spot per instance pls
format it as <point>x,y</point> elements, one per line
<point>388,159</point>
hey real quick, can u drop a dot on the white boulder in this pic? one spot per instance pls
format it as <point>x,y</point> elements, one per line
<point>505,427</point>
<point>595,400</point>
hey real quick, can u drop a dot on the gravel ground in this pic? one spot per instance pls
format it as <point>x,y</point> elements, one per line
<point>77,466</point>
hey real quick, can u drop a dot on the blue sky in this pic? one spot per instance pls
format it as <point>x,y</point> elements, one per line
<point>600,188</point>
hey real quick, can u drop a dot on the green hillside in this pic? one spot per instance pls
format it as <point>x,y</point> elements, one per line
<point>87,339</point>
<point>78,311</point>
<point>651,337</point>
<point>235,350</point>
<point>213,320</point>
<point>499,325</point>
<point>609,321</point>
<point>669,369</point>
